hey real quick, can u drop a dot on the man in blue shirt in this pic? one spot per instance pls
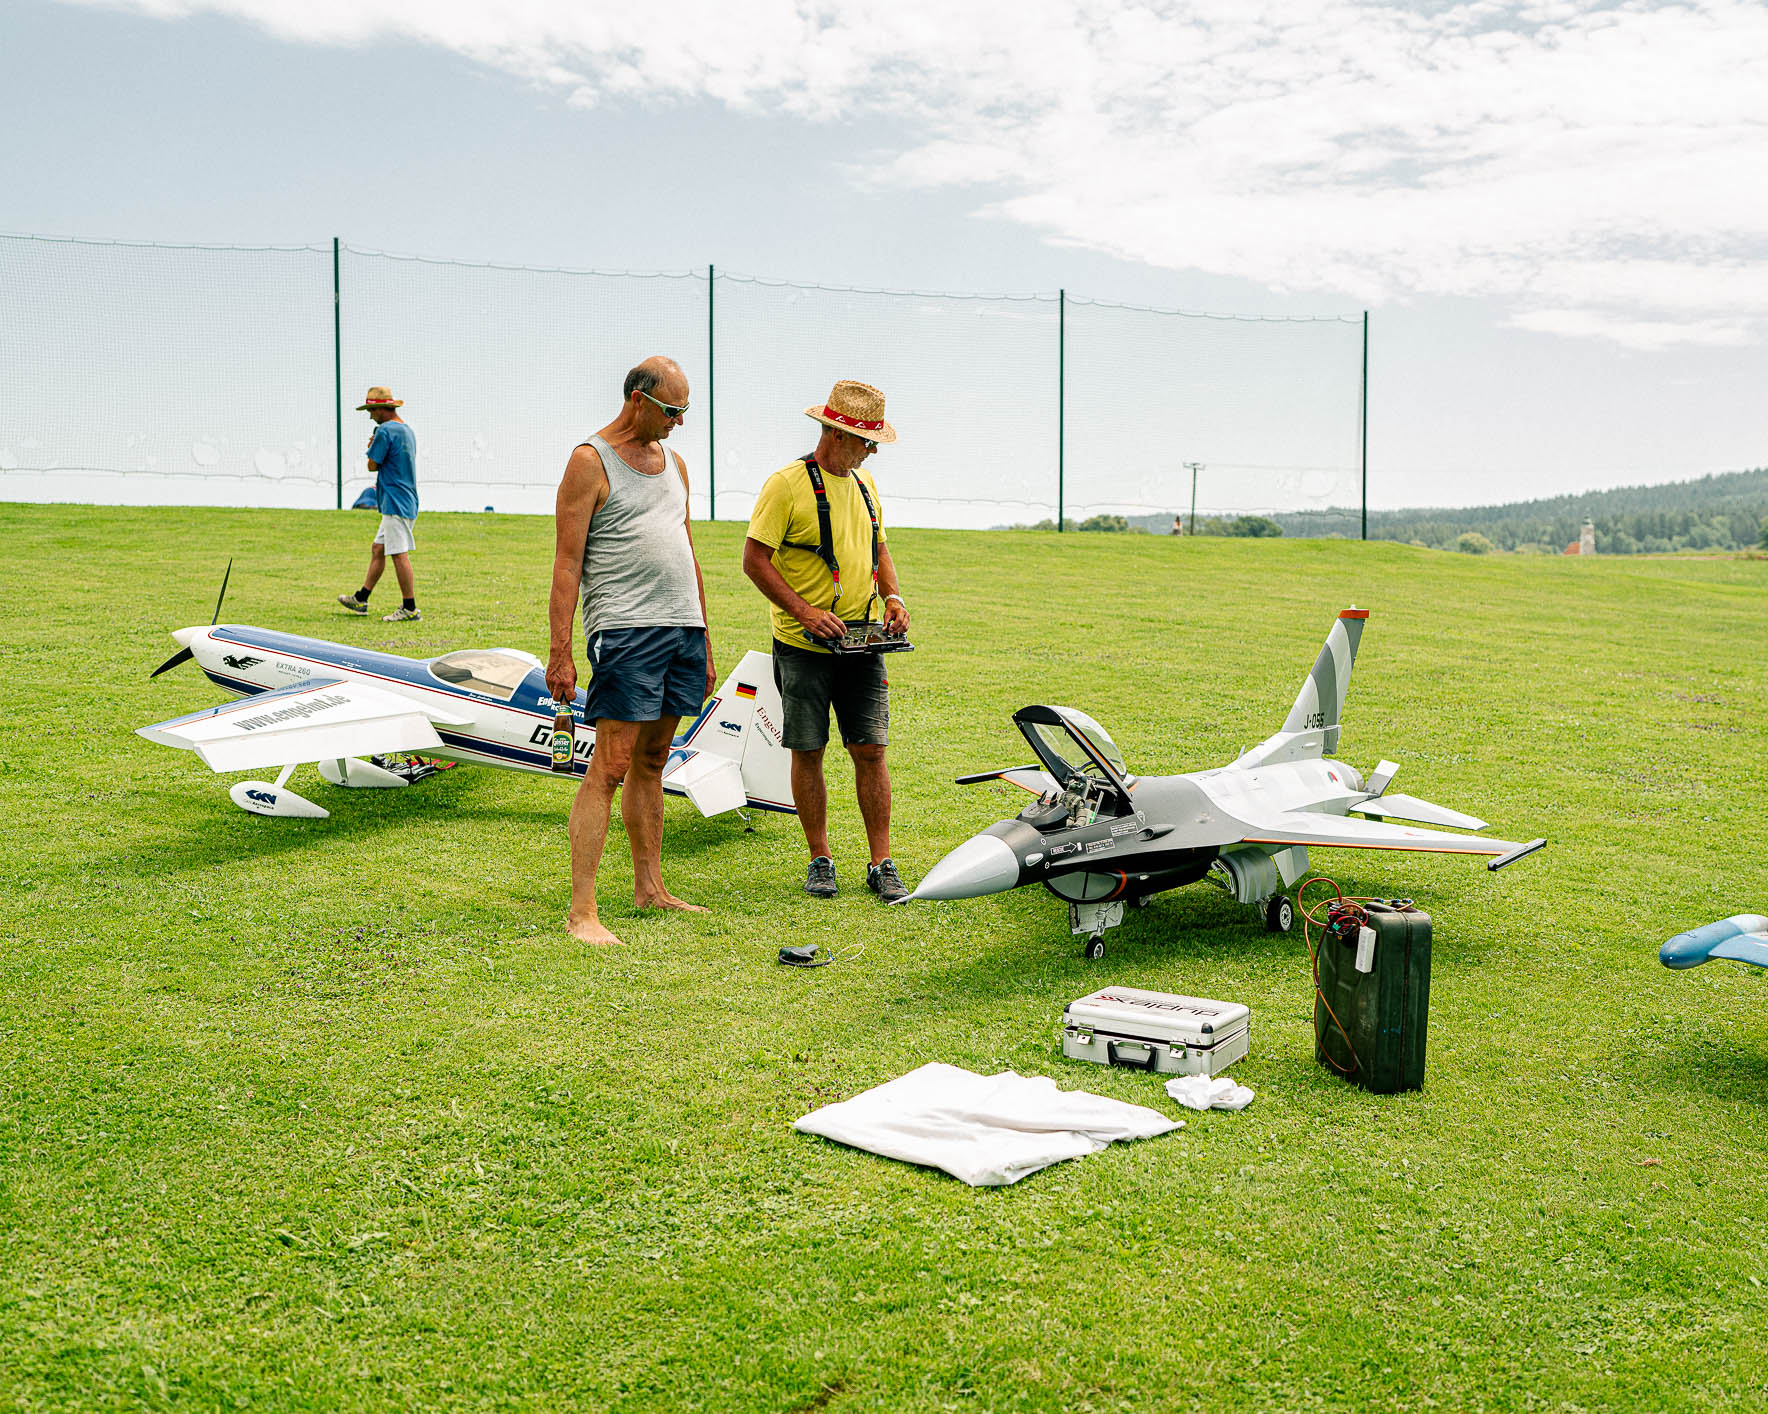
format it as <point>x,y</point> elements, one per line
<point>392,457</point>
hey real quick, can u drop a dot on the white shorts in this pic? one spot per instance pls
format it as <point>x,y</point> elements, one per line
<point>397,535</point>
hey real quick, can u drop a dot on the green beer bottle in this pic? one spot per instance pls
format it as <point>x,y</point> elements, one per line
<point>564,738</point>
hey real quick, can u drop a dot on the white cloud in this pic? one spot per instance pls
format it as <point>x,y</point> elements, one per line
<point>1597,167</point>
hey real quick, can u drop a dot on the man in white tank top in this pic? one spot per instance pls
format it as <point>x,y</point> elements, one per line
<point>624,548</point>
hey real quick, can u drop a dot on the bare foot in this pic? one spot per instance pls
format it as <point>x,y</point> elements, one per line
<point>667,900</point>
<point>591,930</point>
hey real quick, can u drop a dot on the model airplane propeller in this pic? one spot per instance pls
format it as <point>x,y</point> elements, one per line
<point>1099,837</point>
<point>184,655</point>
<point>308,700</point>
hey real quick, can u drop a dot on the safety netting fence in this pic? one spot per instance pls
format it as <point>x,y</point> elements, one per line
<point>147,373</point>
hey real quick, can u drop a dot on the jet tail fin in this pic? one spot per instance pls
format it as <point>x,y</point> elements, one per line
<point>1310,731</point>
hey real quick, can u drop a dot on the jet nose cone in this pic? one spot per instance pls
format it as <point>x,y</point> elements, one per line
<point>984,865</point>
<point>182,636</point>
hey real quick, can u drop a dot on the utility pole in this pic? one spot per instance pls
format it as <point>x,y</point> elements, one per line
<point>1191,525</point>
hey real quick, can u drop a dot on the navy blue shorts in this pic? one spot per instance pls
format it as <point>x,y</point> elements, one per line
<point>641,674</point>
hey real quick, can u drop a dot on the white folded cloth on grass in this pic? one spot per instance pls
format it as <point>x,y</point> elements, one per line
<point>1208,1092</point>
<point>985,1130</point>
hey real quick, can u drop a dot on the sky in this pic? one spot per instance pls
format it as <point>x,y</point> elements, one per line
<point>1555,213</point>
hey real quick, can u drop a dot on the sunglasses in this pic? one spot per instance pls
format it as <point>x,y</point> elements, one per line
<point>867,443</point>
<point>668,409</point>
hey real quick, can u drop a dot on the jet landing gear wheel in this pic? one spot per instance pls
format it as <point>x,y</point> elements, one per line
<point>1090,919</point>
<point>1279,914</point>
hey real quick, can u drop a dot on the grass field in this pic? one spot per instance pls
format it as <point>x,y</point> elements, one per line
<point>332,1115</point>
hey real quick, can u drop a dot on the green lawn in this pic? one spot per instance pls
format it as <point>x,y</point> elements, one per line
<point>332,1114</point>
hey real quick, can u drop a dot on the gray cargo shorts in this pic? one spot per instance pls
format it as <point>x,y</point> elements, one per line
<point>855,684</point>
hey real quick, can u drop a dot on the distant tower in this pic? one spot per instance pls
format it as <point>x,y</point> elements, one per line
<point>1587,538</point>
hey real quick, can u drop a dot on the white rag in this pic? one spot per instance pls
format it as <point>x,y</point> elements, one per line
<point>1208,1092</point>
<point>985,1130</point>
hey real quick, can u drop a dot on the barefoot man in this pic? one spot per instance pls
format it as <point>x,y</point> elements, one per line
<point>625,549</point>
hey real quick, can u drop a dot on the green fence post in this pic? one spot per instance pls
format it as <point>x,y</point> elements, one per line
<point>1363,423</point>
<point>337,373</point>
<point>1061,396</point>
<point>711,407</point>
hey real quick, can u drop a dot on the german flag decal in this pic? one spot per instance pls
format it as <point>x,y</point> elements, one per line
<point>745,689</point>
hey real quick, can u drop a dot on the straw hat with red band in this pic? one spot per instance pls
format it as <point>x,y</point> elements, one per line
<point>857,408</point>
<point>380,398</point>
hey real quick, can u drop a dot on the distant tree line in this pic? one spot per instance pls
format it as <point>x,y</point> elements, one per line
<point>1115,524</point>
<point>1123,525</point>
<point>1722,512</point>
<point>1631,533</point>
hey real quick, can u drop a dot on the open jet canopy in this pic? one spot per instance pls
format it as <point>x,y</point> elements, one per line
<point>1070,743</point>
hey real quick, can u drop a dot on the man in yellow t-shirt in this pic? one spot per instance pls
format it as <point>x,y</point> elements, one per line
<point>813,601</point>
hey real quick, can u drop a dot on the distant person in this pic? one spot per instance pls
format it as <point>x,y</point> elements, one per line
<point>1178,525</point>
<point>392,457</point>
<point>625,549</point>
<point>810,602</point>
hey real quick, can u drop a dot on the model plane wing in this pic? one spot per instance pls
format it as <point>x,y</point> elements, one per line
<point>1410,807</point>
<point>1307,827</point>
<point>1750,947</point>
<point>315,720</point>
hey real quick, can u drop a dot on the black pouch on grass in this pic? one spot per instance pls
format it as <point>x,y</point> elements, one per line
<point>1384,1010</point>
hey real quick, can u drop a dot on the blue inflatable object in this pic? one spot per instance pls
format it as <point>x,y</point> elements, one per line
<point>1743,937</point>
<point>366,501</point>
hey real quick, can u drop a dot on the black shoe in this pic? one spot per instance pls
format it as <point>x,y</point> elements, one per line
<point>885,882</point>
<point>820,882</point>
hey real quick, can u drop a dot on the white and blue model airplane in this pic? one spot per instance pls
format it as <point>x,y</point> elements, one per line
<point>308,700</point>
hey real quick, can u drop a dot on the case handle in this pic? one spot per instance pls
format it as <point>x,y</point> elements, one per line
<point>1145,1064</point>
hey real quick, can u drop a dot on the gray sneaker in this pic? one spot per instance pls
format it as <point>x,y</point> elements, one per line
<point>353,604</point>
<point>820,882</point>
<point>883,880</point>
<point>401,614</point>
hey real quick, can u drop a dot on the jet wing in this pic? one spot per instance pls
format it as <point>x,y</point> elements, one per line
<point>1410,807</point>
<point>1307,827</point>
<point>316,720</point>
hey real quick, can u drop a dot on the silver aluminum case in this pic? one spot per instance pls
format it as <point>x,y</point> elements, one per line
<point>1161,1032</point>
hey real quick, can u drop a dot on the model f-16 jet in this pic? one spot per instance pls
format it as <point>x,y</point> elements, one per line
<point>310,700</point>
<point>1099,837</point>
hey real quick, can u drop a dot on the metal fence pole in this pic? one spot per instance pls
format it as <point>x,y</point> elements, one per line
<point>1363,423</point>
<point>338,372</point>
<point>1061,395</point>
<point>711,408</point>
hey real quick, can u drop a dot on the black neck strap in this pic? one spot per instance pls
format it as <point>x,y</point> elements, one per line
<point>825,549</point>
